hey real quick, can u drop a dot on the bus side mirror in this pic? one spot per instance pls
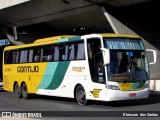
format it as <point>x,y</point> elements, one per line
<point>106,55</point>
<point>154,56</point>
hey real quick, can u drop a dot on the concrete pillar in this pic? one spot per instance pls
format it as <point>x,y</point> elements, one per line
<point>10,37</point>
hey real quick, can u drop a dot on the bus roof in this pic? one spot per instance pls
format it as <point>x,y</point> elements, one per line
<point>64,38</point>
<point>55,38</point>
<point>39,42</point>
<point>118,35</point>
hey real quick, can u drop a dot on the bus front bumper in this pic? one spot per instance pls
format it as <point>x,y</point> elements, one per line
<point>115,95</point>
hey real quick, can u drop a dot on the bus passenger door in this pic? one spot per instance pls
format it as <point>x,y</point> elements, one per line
<point>96,67</point>
<point>95,60</point>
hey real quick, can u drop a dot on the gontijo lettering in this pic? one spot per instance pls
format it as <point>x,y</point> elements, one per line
<point>27,69</point>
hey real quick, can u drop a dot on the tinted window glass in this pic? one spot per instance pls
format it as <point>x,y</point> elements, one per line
<point>47,53</point>
<point>23,56</point>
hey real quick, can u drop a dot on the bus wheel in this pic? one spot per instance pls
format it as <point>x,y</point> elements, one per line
<point>17,90</point>
<point>25,94</point>
<point>81,95</point>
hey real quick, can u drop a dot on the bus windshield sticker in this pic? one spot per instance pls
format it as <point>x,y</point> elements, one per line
<point>131,54</point>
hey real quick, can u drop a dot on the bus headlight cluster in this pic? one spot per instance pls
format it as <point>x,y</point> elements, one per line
<point>113,87</point>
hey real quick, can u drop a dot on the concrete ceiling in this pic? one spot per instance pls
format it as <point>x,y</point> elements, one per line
<point>37,11</point>
<point>59,13</point>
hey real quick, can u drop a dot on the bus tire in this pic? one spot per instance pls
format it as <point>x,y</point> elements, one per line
<point>17,90</point>
<point>24,90</point>
<point>81,95</point>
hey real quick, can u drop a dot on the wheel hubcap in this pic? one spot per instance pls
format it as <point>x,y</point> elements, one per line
<point>81,95</point>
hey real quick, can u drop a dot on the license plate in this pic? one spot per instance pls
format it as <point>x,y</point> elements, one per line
<point>132,95</point>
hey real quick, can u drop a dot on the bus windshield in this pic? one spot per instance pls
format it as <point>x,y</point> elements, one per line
<point>128,60</point>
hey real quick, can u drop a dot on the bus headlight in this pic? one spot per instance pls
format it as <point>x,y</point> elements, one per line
<point>113,87</point>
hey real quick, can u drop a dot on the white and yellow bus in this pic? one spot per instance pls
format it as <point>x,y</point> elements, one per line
<point>103,67</point>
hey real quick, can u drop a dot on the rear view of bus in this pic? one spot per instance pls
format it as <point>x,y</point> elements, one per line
<point>127,71</point>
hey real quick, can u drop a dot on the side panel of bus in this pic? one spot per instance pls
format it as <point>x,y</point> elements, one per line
<point>55,78</point>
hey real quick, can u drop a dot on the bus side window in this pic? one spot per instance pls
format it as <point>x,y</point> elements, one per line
<point>8,57</point>
<point>30,59</point>
<point>71,52</point>
<point>65,55</point>
<point>80,51</point>
<point>47,54</point>
<point>56,53</point>
<point>16,56</point>
<point>50,57</point>
<point>36,55</point>
<point>76,51</point>
<point>63,52</point>
<point>36,58</point>
<point>23,56</point>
